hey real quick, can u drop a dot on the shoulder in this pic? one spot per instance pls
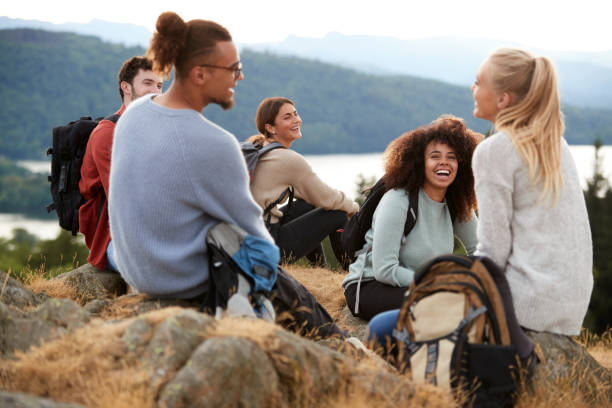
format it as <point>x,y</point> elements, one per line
<point>496,150</point>
<point>103,133</point>
<point>499,143</point>
<point>289,158</point>
<point>395,196</point>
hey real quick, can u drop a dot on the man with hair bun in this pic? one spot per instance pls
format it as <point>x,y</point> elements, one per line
<point>176,174</point>
<point>136,78</point>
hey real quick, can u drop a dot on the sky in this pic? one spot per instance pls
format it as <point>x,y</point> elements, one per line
<point>558,25</point>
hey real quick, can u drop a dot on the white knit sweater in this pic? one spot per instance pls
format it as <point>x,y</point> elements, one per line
<point>544,247</point>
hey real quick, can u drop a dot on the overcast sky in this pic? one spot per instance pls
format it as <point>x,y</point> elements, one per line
<point>579,25</point>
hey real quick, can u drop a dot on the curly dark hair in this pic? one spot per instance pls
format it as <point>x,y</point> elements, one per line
<point>405,161</point>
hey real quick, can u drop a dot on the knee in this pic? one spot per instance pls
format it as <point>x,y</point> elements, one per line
<point>381,326</point>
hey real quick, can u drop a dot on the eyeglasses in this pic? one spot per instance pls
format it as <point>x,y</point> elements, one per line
<point>237,69</point>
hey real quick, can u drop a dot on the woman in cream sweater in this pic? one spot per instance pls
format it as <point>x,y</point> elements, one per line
<point>317,211</point>
<point>533,219</point>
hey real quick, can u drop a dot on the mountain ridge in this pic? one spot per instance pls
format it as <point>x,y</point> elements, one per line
<point>51,78</point>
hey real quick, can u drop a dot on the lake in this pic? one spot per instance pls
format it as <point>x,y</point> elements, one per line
<point>338,170</point>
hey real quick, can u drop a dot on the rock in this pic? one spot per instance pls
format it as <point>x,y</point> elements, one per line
<point>224,372</point>
<point>15,294</point>
<point>97,306</point>
<point>92,283</point>
<point>19,400</point>
<point>355,326</point>
<point>136,304</point>
<point>22,330</point>
<point>137,335</point>
<point>173,342</point>
<point>567,362</point>
<point>62,312</point>
<point>308,370</point>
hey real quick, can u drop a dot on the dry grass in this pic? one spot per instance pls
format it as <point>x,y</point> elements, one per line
<point>599,346</point>
<point>89,366</point>
<point>83,367</point>
<point>53,288</point>
<point>324,284</point>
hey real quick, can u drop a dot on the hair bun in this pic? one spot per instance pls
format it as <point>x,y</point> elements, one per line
<point>171,25</point>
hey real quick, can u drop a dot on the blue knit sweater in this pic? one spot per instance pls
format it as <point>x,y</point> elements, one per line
<point>174,175</point>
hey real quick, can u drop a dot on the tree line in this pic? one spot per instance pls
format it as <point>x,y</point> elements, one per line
<point>49,78</point>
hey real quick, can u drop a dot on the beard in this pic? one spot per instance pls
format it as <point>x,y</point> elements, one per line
<point>225,104</point>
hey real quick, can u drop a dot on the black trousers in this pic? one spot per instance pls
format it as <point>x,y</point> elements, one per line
<point>374,297</point>
<point>298,310</point>
<point>302,228</point>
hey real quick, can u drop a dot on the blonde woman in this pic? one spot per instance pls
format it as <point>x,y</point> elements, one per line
<point>533,219</point>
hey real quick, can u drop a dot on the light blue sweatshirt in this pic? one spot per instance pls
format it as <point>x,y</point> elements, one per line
<point>391,258</point>
<point>174,174</point>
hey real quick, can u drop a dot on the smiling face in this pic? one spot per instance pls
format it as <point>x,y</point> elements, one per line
<point>487,102</point>
<point>286,128</point>
<point>440,169</point>
<point>220,89</point>
<point>145,82</point>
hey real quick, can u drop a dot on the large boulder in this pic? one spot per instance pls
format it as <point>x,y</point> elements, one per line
<point>19,400</point>
<point>180,357</point>
<point>224,372</point>
<point>21,330</point>
<point>90,283</point>
<point>568,364</point>
<point>13,293</point>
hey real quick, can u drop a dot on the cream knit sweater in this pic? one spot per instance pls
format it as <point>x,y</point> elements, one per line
<point>544,247</point>
<point>282,168</point>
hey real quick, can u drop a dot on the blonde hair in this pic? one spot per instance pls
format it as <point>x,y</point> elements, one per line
<point>534,120</point>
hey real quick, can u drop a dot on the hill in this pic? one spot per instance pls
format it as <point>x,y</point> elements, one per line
<point>123,33</point>
<point>50,78</point>
<point>585,79</point>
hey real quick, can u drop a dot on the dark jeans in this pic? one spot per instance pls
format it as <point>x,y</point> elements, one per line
<point>374,297</point>
<point>302,228</point>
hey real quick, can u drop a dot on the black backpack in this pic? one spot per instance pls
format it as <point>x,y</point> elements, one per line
<point>353,236</point>
<point>69,145</point>
<point>252,153</point>
<point>457,329</point>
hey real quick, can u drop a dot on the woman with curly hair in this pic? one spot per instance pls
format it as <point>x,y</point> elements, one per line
<point>432,162</point>
<point>534,223</point>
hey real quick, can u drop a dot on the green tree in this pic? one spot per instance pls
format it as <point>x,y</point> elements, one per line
<point>24,254</point>
<point>598,197</point>
<point>363,185</point>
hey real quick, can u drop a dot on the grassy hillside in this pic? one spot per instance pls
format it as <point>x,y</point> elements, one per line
<point>50,78</point>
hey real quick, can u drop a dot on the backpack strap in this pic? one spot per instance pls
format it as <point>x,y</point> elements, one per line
<point>269,147</point>
<point>413,210</point>
<point>268,211</point>
<point>280,199</point>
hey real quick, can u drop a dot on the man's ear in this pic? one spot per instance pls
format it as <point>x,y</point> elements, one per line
<point>199,75</point>
<point>504,100</point>
<point>126,88</point>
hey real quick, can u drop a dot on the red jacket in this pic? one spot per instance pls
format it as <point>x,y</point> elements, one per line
<point>95,172</point>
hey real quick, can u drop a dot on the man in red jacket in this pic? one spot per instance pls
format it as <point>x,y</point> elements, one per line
<point>136,78</point>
